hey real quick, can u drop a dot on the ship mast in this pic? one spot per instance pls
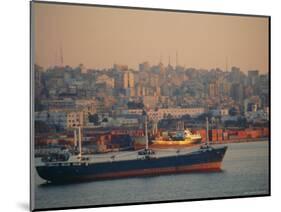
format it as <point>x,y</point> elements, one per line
<point>207,131</point>
<point>146,152</point>
<point>146,134</point>
<point>80,142</point>
<point>75,138</point>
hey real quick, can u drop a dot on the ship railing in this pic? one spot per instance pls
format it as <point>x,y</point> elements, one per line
<point>65,164</point>
<point>52,164</point>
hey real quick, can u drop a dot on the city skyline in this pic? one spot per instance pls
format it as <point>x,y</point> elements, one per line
<point>134,36</point>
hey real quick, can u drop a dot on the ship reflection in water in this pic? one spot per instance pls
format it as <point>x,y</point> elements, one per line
<point>244,172</point>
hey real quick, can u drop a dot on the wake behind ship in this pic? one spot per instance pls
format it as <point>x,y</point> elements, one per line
<point>145,162</point>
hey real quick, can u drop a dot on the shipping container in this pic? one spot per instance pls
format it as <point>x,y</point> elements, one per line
<point>220,138</point>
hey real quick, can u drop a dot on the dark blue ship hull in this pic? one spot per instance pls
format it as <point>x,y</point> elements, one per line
<point>201,160</point>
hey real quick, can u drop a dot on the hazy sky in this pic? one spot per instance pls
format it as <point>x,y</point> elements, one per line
<point>98,37</point>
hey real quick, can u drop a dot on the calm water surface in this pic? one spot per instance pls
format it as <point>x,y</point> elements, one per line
<point>245,172</point>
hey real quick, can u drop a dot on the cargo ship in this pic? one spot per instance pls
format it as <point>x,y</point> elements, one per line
<point>57,169</point>
<point>176,139</point>
<point>170,139</point>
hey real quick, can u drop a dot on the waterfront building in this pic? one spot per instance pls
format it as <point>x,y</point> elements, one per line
<point>52,118</point>
<point>219,112</point>
<point>237,93</point>
<point>140,90</point>
<point>253,76</point>
<point>104,79</point>
<point>162,113</point>
<point>144,66</point>
<point>129,83</point>
<point>133,111</point>
<point>235,74</point>
<point>90,106</point>
<point>59,104</point>
<point>75,119</point>
<point>150,101</point>
<point>128,120</point>
<point>213,89</point>
<point>120,67</point>
<point>179,112</point>
<point>38,81</point>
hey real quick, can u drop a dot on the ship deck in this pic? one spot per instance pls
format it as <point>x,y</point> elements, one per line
<point>122,156</point>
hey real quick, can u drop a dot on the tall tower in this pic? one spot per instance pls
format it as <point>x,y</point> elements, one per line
<point>125,80</point>
<point>129,83</point>
<point>131,80</point>
<point>61,56</point>
<point>226,64</point>
<point>169,60</point>
<point>176,58</point>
